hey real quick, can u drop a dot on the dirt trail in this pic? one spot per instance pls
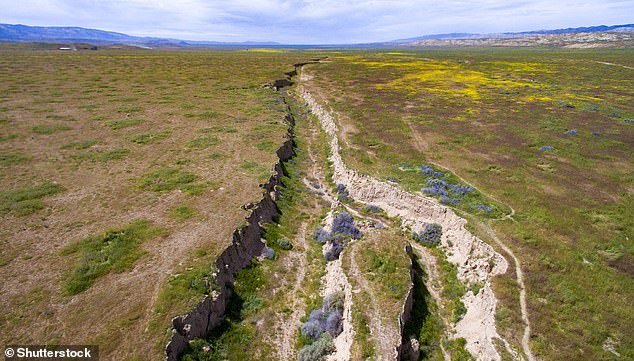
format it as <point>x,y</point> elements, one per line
<point>520,281</point>
<point>291,324</point>
<point>476,260</point>
<point>612,64</point>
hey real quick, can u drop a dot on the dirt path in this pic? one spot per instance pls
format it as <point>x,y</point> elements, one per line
<point>612,64</point>
<point>520,281</point>
<point>476,260</point>
<point>291,324</point>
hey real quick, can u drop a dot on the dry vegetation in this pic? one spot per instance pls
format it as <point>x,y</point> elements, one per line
<point>120,170</point>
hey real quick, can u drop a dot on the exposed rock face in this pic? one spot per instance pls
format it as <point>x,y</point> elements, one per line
<point>406,348</point>
<point>476,260</point>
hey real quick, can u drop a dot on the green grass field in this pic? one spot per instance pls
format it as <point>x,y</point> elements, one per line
<point>546,133</point>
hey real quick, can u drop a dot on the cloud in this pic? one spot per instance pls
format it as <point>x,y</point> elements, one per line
<point>314,21</point>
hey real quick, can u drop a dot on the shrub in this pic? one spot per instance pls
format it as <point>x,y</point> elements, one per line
<point>546,148</point>
<point>312,329</point>
<point>343,192</point>
<point>344,224</point>
<point>448,200</point>
<point>334,323</point>
<point>392,179</point>
<point>318,350</point>
<point>628,120</point>
<point>459,189</point>
<point>571,132</point>
<point>373,209</point>
<point>430,235</point>
<point>483,207</point>
<point>596,133</point>
<point>268,253</point>
<point>435,187</point>
<point>334,301</point>
<point>321,235</point>
<point>429,171</point>
<point>284,244</point>
<point>327,319</point>
<point>336,247</point>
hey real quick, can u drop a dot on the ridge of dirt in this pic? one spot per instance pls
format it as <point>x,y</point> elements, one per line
<point>291,324</point>
<point>476,260</point>
<point>387,338</point>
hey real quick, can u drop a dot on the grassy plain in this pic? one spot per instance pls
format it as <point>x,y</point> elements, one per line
<point>485,116</point>
<point>120,171</point>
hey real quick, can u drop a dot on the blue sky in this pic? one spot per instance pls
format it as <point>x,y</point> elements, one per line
<point>314,21</point>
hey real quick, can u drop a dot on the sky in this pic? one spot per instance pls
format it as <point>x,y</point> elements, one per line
<point>314,21</point>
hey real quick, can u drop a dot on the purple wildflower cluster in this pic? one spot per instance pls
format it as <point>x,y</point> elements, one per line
<point>429,171</point>
<point>449,193</point>
<point>430,235</point>
<point>328,318</point>
<point>343,192</point>
<point>342,228</point>
<point>483,207</point>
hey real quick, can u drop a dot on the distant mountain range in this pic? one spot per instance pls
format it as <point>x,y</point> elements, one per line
<point>523,34</point>
<point>65,35</point>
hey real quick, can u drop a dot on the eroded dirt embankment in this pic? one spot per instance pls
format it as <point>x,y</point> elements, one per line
<point>476,260</point>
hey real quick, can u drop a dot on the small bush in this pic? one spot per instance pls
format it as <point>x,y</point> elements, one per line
<point>429,171</point>
<point>483,207</point>
<point>571,132</point>
<point>334,323</point>
<point>268,253</point>
<point>546,148</point>
<point>344,224</point>
<point>449,200</point>
<point>284,244</point>
<point>321,235</point>
<point>318,350</point>
<point>337,244</point>
<point>342,192</point>
<point>430,235</point>
<point>371,208</point>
